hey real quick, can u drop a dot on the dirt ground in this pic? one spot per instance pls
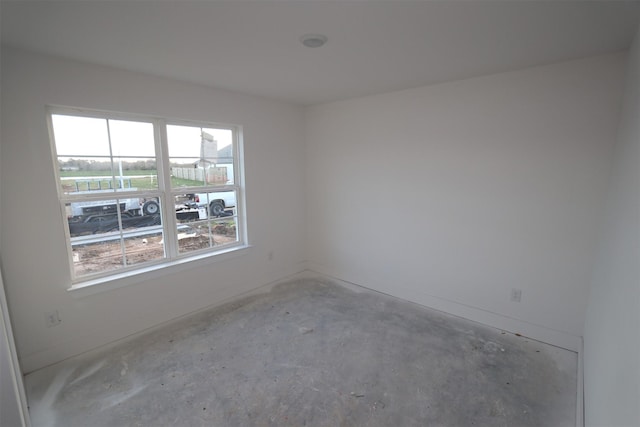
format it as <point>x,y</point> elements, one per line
<point>106,256</point>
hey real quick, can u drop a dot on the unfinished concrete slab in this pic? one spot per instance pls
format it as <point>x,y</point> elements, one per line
<point>312,353</point>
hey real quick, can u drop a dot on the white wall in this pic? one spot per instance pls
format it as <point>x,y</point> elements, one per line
<point>447,195</point>
<point>451,195</point>
<point>9,402</point>
<point>13,409</point>
<point>32,241</point>
<point>612,329</point>
<point>10,409</point>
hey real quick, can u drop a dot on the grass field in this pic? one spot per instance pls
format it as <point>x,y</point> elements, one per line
<point>83,174</point>
<point>140,179</point>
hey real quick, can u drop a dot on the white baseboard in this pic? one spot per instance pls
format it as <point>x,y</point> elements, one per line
<point>119,333</point>
<point>537,332</point>
<point>516,326</point>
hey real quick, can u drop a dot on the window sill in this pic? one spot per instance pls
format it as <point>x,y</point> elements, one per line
<point>115,281</point>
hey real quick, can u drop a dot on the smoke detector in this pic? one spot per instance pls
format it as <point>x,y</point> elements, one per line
<point>313,40</point>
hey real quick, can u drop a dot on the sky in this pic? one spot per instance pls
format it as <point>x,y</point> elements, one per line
<point>90,137</point>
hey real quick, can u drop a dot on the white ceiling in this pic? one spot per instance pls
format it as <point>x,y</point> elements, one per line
<point>373,47</point>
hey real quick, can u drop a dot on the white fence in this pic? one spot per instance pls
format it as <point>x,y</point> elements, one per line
<point>193,174</point>
<point>212,175</point>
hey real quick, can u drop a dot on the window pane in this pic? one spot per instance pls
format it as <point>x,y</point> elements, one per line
<point>225,231</point>
<point>136,173</point>
<point>192,226</point>
<point>184,141</point>
<point>187,208</point>
<point>193,235</point>
<point>90,215</point>
<point>186,173</point>
<point>217,203</point>
<point>221,171</point>
<point>91,174</point>
<point>102,239</point>
<point>141,248</point>
<point>80,136</point>
<point>201,156</point>
<point>197,230</point>
<point>132,139</point>
<point>98,256</point>
<point>83,174</point>
<point>197,234</point>
<point>80,141</point>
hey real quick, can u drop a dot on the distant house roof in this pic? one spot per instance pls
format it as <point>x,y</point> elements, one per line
<point>224,157</point>
<point>225,154</point>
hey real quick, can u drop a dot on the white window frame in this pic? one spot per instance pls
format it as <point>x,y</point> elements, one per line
<point>165,193</point>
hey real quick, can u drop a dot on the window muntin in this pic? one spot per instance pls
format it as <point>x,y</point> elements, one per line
<point>129,206</point>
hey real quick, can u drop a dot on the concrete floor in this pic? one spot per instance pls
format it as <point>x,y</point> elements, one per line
<point>311,353</point>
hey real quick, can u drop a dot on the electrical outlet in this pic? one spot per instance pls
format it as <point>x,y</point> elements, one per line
<point>52,318</point>
<point>270,256</point>
<point>516,295</point>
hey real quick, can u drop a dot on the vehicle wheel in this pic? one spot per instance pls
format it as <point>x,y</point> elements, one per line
<point>151,207</point>
<point>216,208</point>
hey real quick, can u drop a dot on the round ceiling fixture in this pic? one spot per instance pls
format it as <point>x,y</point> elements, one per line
<point>313,40</point>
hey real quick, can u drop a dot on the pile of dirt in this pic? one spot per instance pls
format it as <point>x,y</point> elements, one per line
<point>107,256</point>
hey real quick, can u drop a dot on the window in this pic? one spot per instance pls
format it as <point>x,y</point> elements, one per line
<point>144,191</point>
